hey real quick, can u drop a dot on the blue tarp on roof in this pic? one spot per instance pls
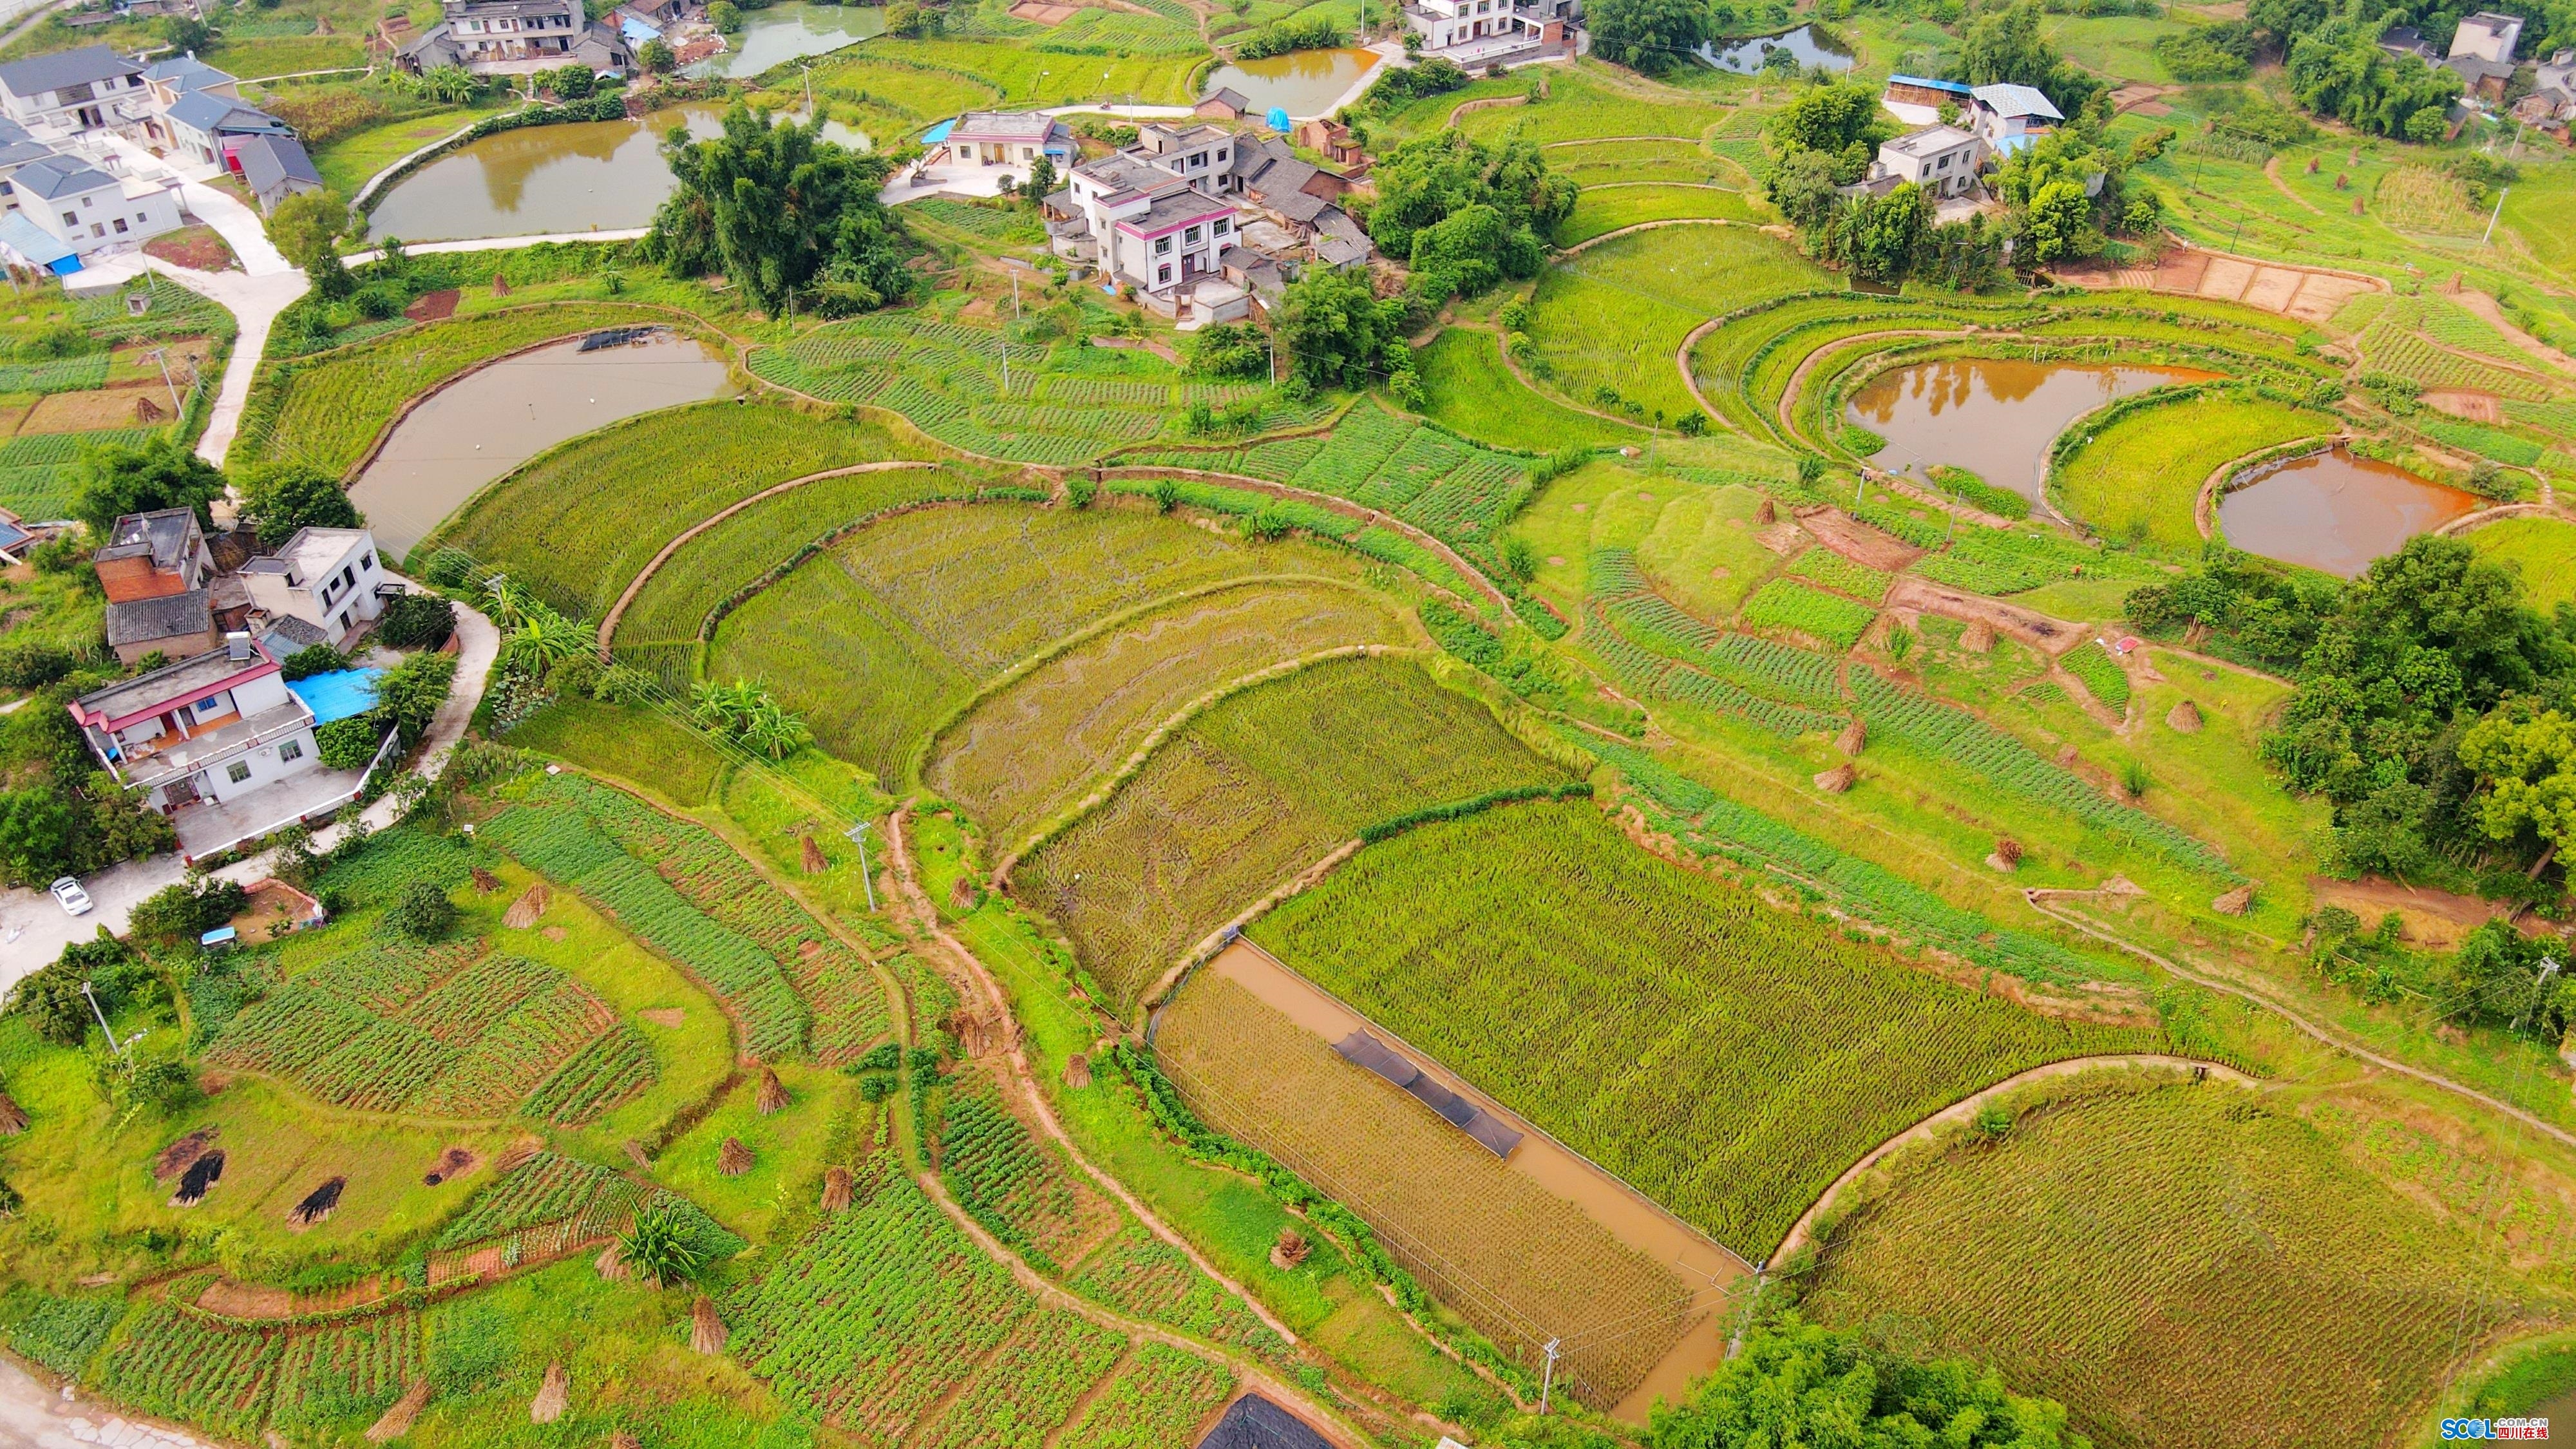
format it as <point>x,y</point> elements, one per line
<point>636,31</point>
<point>11,535</point>
<point>40,247</point>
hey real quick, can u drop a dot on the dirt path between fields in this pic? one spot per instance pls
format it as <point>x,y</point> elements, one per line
<point>1588,243</point>
<point>917,905</point>
<point>2040,898</point>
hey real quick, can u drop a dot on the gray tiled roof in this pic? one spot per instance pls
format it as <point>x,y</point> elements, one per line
<point>59,176</point>
<point>208,112</point>
<point>270,161</point>
<point>140,621</point>
<point>65,68</point>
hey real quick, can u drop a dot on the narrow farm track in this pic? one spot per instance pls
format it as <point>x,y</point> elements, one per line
<point>926,918</point>
<point>1474,576</point>
<point>1968,1106</point>
<point>1513,367</point>
<point>635,586</point>
<point>1588,243</point>
<point>2039,898</point>
<point>1797,383</point>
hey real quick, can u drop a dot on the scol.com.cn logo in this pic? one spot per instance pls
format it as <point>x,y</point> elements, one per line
<point>2527,1430</point>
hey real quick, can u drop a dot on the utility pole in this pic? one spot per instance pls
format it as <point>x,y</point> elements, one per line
<point>1005,348</point>
<point>859,834</point>
<point>1548,1381</point>
<point>161,355</point>
<point>2491,216</point>
<point>102,1020</point>
<point>808,68</point>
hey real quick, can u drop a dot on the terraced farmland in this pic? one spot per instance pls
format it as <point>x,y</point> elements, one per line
<point>1669,1026</point>
<point>876,641</point>
<point>1032,747</point>
<point>1252,792</point>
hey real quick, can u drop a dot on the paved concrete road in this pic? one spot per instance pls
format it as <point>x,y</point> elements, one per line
<point>33,1416</point>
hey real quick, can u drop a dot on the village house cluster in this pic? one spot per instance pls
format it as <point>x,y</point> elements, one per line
<point>69,188</point>
<point>1960,132</point>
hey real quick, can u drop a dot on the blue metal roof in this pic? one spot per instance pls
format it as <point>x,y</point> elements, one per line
<point>938,133</point>
<point>40,247</point>
<point>1956,88</point>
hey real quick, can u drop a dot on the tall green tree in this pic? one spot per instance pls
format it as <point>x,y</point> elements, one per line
<point>1422,183</point>
<point>1337,332</point>
<point>2339,70</point>
<point>1645,35</point>
<point>2007,47</point>
<point>115,479</point>
<point>285,496</point>
<point>1798,1385</point>
<point>788,216</point>
<point>305,229</point>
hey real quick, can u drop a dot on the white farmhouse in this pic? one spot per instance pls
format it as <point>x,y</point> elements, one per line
<point>87,210</point>
<point>994,147</point>
<point>1940,159</point>
<point>327,577</point>
<point>89,89</point>
<point>211,728</point>
<point>2009,118</point>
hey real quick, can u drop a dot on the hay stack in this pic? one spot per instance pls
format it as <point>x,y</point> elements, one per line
<point>179,1156</point>
<point>2066,754</point>
<point>837,1190</point>
<point>1978,637</point>
<point>1290,1251</point>
<point>524,911</point>
<point>1766,514</point>
<point>2235,902</point>
<point>13,1118</point>
<point>1837,780</point>
<point>2184,718</point>
<point>636,1154</point>
<point>773,1093</point>
<point>553,1396</point>
<point>499,288</point>
<point>515,1156</point>
<point>1077,1070</point>
<point>734,1159</point>
<point>612,1264</point>
<point>810,854</point>
<point>485,881</point>
<point>706,1331</point>
<point>397,1420</point>
<point>623,1440</point>
<point>1853,739</point>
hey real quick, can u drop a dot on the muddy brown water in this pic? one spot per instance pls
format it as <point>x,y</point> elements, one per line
<point>1302,82</point>
<point>2335,510</point>
<point>780,33</point>
<point>1620,1209</point>
<point>1993,416</point>
<point>587,176</point>
<point>491,421</point>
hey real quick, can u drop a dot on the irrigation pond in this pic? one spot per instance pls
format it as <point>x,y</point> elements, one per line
<point>1303,82</point>
<point>2335,510</point>
<point>582,176</point>
<point>491,421</point>
<point>1993,416</point>
<point>781,33</point>
<point>1744,57</point>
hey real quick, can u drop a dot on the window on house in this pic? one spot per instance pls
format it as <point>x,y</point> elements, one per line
<point>291,750</point>
<point>1190,238</point>
<point>1220,156</point>
<point>1162,246</point>
<point>1222,226</point>
<point>344,621</point>
<point>96,230</point>
<point>237,771</point>
<point>71,218</point>
<point>120,226</point>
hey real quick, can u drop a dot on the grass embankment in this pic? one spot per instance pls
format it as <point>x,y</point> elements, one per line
<point>2298,1269</point>
<point>1252,792</point>
<point>923,608</point>
<point>1601,209</point>
<point>2542,549</point>
<point>1467,387</point>
<point>2138,479</point>
<point>1614,317</point>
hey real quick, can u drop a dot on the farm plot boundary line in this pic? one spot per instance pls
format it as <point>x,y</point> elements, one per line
<point>1965,1107</point>
<point>2204,502</point>
<point>1099,628</point>
<point>1588,243</point>
<point>1180,719</point>
<point>2040,898</point>
<point>1796,386</point>
<point>635,586</point>
<point>908,887</point>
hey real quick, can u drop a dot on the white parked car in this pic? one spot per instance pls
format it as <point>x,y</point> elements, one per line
<point>75,900</point>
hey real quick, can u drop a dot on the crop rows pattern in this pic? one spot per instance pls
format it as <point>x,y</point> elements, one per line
<point>335,1373</point>
<point>547,1188</point>
<point>566,846</point>
<point>2007,763</point>
<point>1727,1058</point>
<point>1833,571</point>
<point>614,1069</point>
<point>876,1315</point>
<point>1654,675</point>
<point>1826,618</point>
<point>1141,1275</point>
<point>1158,1398</point>
<point>1002,1176</point>
<point>2101,674</point>
<point>178,1365</point>
<point>1049,1361</point>
<point>437,1031</point>
<point>846,1001</point>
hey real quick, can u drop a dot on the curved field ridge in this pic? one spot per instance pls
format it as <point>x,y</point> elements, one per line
<point>1028,748</point>
<point>1251,793</point>
<point>1726,1058</point>
<point>2191,1267</point>
<point>882,637</point>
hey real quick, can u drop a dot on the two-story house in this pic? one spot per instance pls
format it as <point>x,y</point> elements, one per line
<point>1484,32</point>
<point>71,91</point>
<point>516,37</point>
<point>2481,54</point>
<point>213,727</point>
<point>2009,118</point>
<point>153,555</point>
<point>86,209</point>
<point>208,127</point>
<point>327,577</point>
<point>1940,159</point>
